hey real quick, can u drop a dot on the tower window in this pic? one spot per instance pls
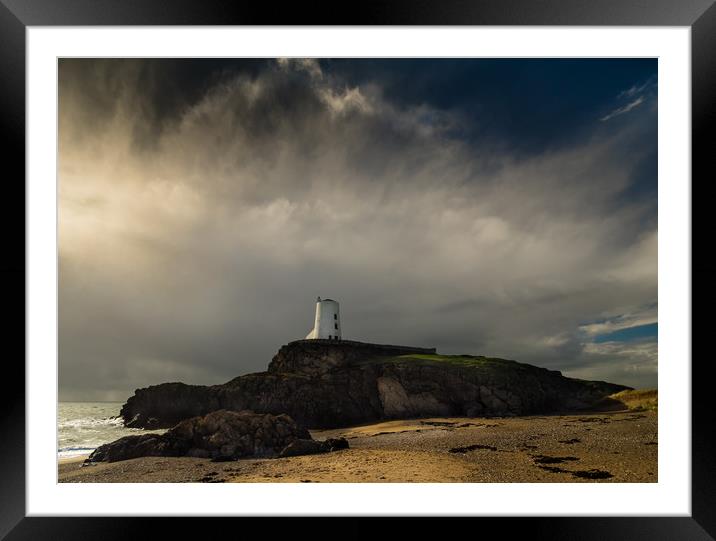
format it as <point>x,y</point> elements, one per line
<point>336,326</point>
<point>335,316</point>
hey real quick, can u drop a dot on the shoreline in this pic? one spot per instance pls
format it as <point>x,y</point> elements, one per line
<point>615,446</point>
<point>72,459</point>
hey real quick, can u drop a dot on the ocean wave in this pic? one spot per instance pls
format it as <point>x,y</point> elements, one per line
<point>82,427</point>
<point>65,452</point>
<point>89,422</point>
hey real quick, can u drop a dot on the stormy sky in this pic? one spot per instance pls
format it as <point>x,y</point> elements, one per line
<point>487,206</point>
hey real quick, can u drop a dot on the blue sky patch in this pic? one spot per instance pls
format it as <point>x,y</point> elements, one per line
<point>632,333</point>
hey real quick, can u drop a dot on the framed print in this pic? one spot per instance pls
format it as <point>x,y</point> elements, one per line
<point>424,262</point>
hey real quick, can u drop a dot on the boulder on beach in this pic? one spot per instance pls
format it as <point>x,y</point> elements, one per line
<point>220,435</point>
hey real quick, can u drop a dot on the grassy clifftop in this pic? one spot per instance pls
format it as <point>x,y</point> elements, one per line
<point>477,361</point>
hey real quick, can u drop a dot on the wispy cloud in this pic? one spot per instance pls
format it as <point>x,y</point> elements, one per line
<point>625,109</point>
<point>637,94</point>
<point>629,363</point>
<point>646,316</point>
<point>636,89</point>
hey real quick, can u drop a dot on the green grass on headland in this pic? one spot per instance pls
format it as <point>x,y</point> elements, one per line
<point>466,361</point>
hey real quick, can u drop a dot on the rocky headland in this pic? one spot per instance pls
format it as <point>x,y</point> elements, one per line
<point>328,384</point>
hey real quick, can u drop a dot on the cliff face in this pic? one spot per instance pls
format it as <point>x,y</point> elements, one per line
<point>324,384</point>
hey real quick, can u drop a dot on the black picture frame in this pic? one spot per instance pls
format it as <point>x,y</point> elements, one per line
<point>16,15</point>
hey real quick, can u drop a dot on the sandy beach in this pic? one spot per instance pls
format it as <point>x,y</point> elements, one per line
<point>616,447</point>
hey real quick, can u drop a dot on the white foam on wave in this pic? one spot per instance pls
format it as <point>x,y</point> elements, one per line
<point>69,452</point>
<point>84,426</point>
<point>90,423</point>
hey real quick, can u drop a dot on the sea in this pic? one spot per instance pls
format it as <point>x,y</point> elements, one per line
<point>84,426</point>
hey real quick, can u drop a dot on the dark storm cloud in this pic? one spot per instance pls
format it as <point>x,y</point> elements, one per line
<point>158,90</point>
<point>205,204</point>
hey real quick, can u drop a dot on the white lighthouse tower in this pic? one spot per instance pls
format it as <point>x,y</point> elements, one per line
<point>327,325</point>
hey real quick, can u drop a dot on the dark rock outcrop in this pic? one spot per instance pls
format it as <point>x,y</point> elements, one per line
<point>172,402</point>
<point>324,384</point>
<point>220,435</point>
<point>138,446</point>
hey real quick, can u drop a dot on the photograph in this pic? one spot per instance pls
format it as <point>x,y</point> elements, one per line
<point>357,270</point>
